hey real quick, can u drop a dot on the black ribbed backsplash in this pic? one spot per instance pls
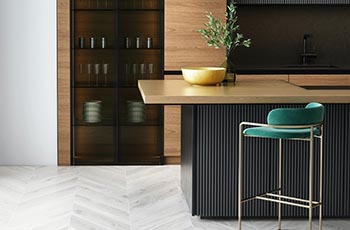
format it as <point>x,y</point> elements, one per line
<point>293,2</point>
<point>277,34</point>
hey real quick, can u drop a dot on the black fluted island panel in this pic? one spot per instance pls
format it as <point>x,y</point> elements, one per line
<point>210,162</point>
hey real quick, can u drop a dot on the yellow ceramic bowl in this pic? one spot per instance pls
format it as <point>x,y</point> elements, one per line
<point>203,75</point>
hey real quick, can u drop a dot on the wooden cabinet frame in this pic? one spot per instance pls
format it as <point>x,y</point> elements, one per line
<point>63,83</point>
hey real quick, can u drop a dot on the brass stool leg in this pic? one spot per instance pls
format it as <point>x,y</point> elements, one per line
<point>280,183</point>
<point>311,176</point>
<point>321,175</point>
<point>240,179</point>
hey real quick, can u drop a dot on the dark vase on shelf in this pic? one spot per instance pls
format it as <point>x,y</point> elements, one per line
<point>230,68</point>
<point>115,44</point>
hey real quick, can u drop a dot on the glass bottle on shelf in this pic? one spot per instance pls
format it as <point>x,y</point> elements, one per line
<point>103,42</point>
<point>149,43</point>
<point>127,44</point>
<point>138,42</point>
<point>81,42</point>
<point>92,42</point>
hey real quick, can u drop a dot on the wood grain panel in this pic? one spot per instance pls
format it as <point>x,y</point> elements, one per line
<point>263,77</point>
<point>172,160</point>
<point>184,46</point>
<point>320,80</point>
<point>172,129</point>
<point>63,82</point>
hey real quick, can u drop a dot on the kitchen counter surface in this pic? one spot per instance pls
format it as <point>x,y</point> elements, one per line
<point>243,92</point>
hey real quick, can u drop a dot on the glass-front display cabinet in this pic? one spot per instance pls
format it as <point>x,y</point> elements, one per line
<point>114,44</point>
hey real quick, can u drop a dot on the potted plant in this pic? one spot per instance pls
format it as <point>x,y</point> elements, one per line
<point>219,35</point>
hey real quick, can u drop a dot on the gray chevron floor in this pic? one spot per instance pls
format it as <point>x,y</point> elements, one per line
<point>107,198</point>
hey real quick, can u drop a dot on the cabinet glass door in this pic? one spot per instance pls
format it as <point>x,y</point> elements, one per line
<point>94,82</point>
<point>140,58</point>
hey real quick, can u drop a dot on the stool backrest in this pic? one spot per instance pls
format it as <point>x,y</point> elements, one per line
<point>313,113</point>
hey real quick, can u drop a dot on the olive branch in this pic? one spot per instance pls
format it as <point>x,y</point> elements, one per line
<point>219,34</point>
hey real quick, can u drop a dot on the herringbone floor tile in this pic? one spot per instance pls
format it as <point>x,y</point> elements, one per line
<point>109,198</point>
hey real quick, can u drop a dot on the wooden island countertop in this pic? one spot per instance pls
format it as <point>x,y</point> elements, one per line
<point>243,92</point>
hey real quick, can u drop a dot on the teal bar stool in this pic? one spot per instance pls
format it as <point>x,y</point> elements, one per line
<point>287,123</point>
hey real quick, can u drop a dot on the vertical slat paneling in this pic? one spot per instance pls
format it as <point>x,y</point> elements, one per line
<point>188,181</point>
<point>217,162</point>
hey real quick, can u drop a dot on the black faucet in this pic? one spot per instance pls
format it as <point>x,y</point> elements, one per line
<point>305,55</point>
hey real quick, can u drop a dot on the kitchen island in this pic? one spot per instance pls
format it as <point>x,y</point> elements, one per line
<point>209,145</point>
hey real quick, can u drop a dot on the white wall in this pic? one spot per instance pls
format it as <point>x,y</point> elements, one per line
<point>28,85</point>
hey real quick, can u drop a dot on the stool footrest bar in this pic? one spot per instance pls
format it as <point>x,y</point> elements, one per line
<point>291,198</point>
<point>254,197</point>
<point>276,198</point>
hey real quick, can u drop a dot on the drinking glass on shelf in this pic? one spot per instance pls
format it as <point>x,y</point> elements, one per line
<point>153,4</point>
<point>81,71</point>
<point>141,4</point>
<point>134,72</point>
<point>105,72</point>
<point>133,4</point>
<point>150,70</point>
<point>127,73</point>
<point>89,69</point>
<point>150,4</point>
<point>97,72</point>
<point>142,70</point>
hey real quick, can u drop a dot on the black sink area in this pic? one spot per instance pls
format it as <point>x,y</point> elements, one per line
<point>294,69</point>
<point>309,66</point>
<point>326,87</point>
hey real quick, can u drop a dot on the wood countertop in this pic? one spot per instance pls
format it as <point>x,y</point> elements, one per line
<point>243,92</point>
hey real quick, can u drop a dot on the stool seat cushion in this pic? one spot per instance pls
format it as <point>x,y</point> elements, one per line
<point>279,133</point>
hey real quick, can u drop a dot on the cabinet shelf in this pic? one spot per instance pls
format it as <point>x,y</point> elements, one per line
<point>94,49</point>
<point>95,10</point>
<point>132,10</point>
<point>149,160</point>
<point>141,124</point>
<point>114,10</point>
<point>128,86</point>
<point>105,159</point>
<point>94,124</point>
<point>139,49</point>
<point>94,87</point>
